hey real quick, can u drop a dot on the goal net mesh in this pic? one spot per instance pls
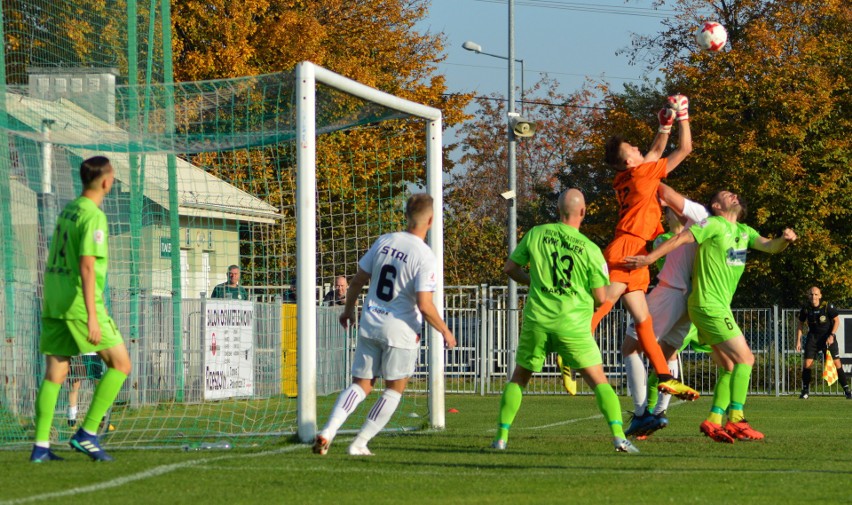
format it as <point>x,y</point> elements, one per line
<point>205,179</point>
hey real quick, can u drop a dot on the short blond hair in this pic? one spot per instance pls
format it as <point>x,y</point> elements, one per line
<point>418,207</point>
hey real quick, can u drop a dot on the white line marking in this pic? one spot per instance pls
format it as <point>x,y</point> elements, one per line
<point>153,472</point>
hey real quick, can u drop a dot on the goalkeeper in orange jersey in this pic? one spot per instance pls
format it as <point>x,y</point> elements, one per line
<point>636,183</point>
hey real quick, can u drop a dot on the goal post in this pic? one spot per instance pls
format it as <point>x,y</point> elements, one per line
<point>308,75</point>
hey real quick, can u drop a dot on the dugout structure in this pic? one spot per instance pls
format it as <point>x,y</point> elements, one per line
<point>290,176</point>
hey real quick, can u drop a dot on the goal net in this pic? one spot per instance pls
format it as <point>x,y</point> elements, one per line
<point>289,177</point>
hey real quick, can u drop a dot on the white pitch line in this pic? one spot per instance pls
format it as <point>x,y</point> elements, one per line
<point>573,421</point>
<point>147,474</point>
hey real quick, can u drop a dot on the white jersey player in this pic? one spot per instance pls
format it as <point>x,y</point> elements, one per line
<point>401,272</point>
<point>667,305</point>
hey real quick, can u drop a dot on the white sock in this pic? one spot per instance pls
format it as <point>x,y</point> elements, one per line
<point>637,381</point>
<point>72,412</point>
<point>378,417</point>
<point>664,398</point>
<point>43,445</point>
<point>348,400</point>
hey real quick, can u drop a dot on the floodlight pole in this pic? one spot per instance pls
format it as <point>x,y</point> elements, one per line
<point>512,320</point>
<point>512,200</point>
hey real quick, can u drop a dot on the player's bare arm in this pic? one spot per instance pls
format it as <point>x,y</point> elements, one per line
<point>684,237</point>
<point>775,245</point>
<point>672,198</point>
<point>799,331</point>
<point>430,314</point>
<point>361,279</point>
<point>516,272</point>
<point>666,117</point>
<point>87,277</point>
<point>599,294</point>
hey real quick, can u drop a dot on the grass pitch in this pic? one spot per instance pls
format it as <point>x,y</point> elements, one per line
<point>559,451</point>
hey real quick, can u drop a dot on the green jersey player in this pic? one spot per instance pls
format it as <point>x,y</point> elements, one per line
<point>719,264</point>
<point>74,318</point>
<point>567,275</point>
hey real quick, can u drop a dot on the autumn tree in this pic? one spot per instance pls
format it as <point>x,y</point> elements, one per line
<point>770,119</point>
<point>477,211</point>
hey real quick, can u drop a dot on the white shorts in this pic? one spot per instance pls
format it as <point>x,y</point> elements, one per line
<point>668,311</point>
<point>374,358</point>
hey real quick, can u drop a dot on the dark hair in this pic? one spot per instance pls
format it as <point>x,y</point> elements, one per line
<point>612,152</point>
<point>93,168</point>
<point>715,199</point>
<point>417,205</point>
<point>233,267</point>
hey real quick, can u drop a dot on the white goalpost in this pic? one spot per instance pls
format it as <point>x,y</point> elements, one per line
<point>308,75</point>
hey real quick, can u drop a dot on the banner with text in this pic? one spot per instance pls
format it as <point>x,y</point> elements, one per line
<point>228,349</point>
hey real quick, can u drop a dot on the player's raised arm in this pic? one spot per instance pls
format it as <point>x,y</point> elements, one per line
<point>775,245</point>
<point>666,117</point>
<point>680,104</point>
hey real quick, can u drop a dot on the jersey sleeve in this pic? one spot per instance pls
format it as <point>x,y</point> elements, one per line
<point>93,238</point>
<point>427,277</point>
<point>521,254</point>
<point>831,311</point>
<point>753,235</point>
<point>694,211</point>
<point>656,170</point>
<point>599,275</point>
<point>705,229</point>
<point>803,315</point>
<point>366,261</point>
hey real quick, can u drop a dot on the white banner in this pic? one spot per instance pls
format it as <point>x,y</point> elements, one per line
<point>228,349</point>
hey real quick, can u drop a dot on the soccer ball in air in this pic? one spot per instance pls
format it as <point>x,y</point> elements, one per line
<point>712,36</point>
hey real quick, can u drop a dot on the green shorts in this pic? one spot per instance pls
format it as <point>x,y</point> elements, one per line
<point>715,324</point>
<point>691,340</point>
<point>577,350</point>
<point>67,337</point>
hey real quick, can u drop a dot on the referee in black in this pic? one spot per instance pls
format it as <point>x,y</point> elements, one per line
<point>822,320</point>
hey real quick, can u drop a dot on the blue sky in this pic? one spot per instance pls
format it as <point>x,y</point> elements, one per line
<point>566,39</point>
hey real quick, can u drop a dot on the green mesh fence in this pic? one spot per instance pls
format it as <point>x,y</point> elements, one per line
<point>205,177</point>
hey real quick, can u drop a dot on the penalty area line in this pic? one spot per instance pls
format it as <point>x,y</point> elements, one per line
<point>147,474</point>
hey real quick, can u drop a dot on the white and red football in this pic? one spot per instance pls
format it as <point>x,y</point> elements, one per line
<point>712,36</point>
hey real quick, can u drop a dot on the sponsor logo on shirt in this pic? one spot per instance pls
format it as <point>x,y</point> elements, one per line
<point>736,257</point>
<point>99,236</point>
<point>703,223</point>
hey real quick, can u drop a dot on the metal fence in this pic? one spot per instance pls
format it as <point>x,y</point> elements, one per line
<point>478,365</point>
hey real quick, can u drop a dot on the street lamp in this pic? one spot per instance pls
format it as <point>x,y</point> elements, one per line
<point>511,195</point>
<point>476,48</point>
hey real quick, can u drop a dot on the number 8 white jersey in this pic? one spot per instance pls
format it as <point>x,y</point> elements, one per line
<point>400,265</point>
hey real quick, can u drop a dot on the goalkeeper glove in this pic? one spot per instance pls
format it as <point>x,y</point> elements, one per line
<point>666,117</point>
<point>680,104</point>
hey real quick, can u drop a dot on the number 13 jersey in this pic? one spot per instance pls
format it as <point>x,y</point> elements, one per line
<point>400,265</point>
<point>564,268</point>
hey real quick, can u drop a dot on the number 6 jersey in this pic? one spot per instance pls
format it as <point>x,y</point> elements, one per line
<point>400,264</point>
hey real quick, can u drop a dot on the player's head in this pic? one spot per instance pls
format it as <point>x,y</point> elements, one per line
<point>620,154</point>
<point>725,202</point>
<point>233,275</point>
<point>418,210</point>
<point>572,205</point>
<point>814,296</point>
<point>97,172</point>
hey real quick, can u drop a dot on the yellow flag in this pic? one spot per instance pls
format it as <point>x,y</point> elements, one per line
<point>829,372</point>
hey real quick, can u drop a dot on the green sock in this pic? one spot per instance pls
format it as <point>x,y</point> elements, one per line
<point>610,407</point>
<point>739,391</point>
<point>48,394</point>
<point>653,393</point>
<point>721,397</point>
<point>105,393</point>
<point>510,403</point>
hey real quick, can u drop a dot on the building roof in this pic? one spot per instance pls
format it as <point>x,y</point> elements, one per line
<point>200,194</point>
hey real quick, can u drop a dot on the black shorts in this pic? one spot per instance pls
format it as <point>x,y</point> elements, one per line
<point>815,346</point>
